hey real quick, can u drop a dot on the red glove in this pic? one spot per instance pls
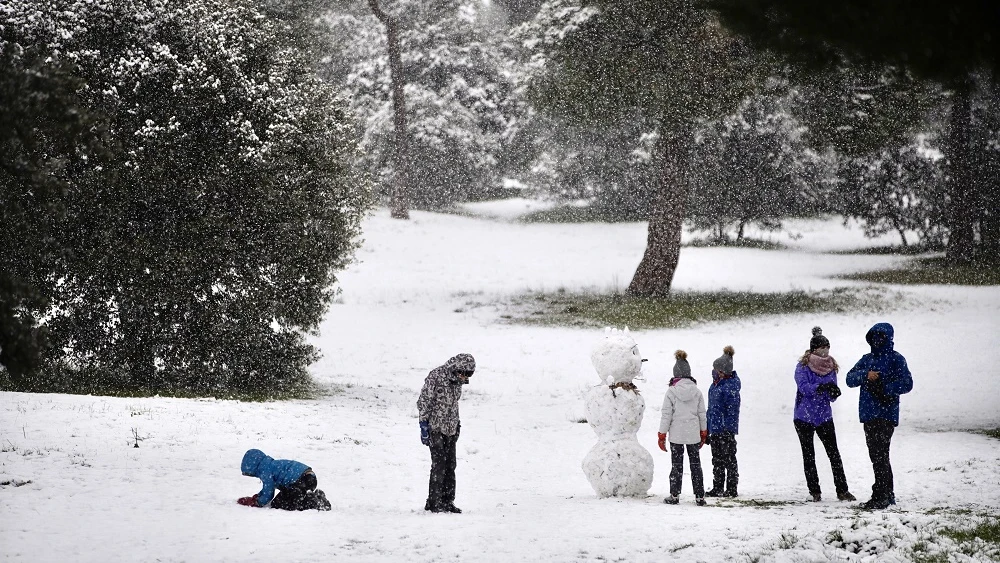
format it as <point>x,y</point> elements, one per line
<point>661,440</point>
<point>248,501</point>
<point>704,436</point>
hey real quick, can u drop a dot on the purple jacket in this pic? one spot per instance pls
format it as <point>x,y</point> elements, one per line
<point>812,406</point>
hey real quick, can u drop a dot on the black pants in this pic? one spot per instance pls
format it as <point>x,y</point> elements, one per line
<point>878,435</point>
<point>725,471</point>
<point>677,469</point>
<point>295,496</point>
<point>828,436</point>
<point>441,490</point>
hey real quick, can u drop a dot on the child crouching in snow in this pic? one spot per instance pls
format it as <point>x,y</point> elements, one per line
<point>683,420</point>
<point>295,481</point>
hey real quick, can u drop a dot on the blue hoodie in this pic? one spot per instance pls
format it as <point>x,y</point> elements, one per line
<point>272,472</point>
<point>724,404</point>
<point>880,398</point>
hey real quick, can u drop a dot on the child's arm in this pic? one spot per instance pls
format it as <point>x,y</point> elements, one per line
<point>858,373</point>
<point>806,380</point>
<point>266,492</point>
<point>425,403</point>
<point>733,407</point>
<point>666,414</point>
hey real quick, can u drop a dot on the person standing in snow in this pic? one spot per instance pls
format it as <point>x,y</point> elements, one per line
<point>724,425</point>
<point>816,382</point>
<point>883,376</point>
<point>295,481</point>
<point>683,420</point>
<point>440,426</point>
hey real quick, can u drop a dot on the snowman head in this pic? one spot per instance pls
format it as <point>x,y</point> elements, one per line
<point>616,357</point>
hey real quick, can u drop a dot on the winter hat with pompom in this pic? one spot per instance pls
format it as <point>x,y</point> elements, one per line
<point>818,340</point>
<point>681,367</point>
<point>724,363</point>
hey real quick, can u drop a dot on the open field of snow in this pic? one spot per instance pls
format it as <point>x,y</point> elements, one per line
<point>74,488</point>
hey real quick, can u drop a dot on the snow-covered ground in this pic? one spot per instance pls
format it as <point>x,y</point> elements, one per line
<point>73,487</point>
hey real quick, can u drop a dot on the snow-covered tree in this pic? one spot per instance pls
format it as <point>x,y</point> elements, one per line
<point>604,61</point>
<point>461,103</point>
<point>752,168</point>
<point>202,249</point>
<point>900,191</point>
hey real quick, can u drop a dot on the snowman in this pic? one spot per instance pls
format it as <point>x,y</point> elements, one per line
<point>617,466</point>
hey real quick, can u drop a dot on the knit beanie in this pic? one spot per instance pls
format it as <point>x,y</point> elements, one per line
<point>724,363</point>
<point>818,340</point>
<point>681,367</point>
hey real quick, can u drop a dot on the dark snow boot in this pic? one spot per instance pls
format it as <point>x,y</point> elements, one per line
<point>319,501</point>
<point>671,500</point>
<point>714,493</point>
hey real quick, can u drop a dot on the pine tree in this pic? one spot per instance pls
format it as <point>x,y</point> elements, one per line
<point>604,61</point>
<point>461,106</point>
<point>751,167</point>
<point>950,43</point>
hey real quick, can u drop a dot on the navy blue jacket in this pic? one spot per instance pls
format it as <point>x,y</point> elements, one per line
<point>724,404</point>
<point>880,398</point>
<point>272,472</point>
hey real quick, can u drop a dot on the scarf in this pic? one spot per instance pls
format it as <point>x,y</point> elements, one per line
<point>717,377</point>
<point>676,379</point>
<point>821,365</point>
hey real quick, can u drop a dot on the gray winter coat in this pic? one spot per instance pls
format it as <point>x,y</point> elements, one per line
<point>438,402</point>
<point>683,415</point>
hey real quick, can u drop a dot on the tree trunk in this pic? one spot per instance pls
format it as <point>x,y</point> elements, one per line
<point>961,208</point>
<point>989,224</point>
<point>398,200</point>
<point>739,234</point>
<point>663,241</point>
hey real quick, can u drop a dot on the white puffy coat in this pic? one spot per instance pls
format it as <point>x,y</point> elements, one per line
<point>683,415</point>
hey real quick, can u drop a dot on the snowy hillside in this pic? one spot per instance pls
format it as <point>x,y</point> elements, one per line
<point>74,488</point>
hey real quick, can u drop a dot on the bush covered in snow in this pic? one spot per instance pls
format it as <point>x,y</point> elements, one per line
<point>195,254</point>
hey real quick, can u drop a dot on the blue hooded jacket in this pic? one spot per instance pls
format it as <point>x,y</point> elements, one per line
<point>272,472</point>
<point>880,398</point>
<point>724,404</point>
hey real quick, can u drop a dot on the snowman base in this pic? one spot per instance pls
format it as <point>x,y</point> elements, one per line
<point>619,468</point>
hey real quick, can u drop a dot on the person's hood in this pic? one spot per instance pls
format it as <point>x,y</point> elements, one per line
<point>461,362</point>
<point>886,345</point>
<point>251,462</point>
<point>457,363</point>
<point>686,390</point>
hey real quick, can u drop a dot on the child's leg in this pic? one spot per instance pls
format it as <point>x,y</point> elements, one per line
<point>676,468</point>
<point>697,477</point>
<point>720,456</point>
<point>732,467</point>
<point>828,436</point>
<point>805,432</point>
<point>293,496</point>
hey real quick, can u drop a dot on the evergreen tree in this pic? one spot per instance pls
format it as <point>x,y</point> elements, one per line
<point>899,191</point>
<point>751,167</point>
<point>950,43</point>
<point>203,249</point>
<point>604,61</point>
<point>461,105</point>
<point>44,133</point>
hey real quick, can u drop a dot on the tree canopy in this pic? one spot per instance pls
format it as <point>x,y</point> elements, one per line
<point>198,253</point>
